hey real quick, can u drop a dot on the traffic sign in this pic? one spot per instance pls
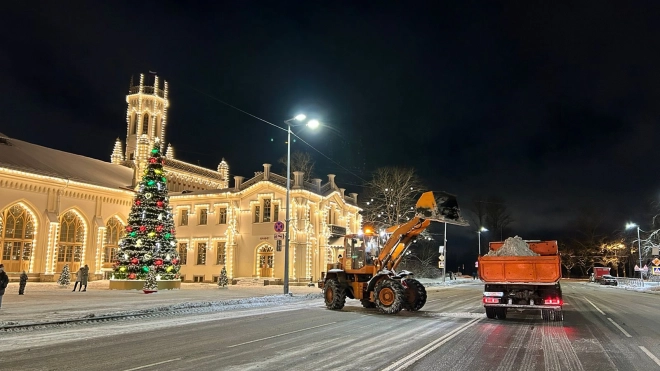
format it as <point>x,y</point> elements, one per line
<point>278,236</point>
<point>656,271</point>
<point>278,226</point>
<point>656,261</point>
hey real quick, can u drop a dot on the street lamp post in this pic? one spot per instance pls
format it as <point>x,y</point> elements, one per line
<point>313,124</point>
<point>482,229</point>
<point>639,245</point>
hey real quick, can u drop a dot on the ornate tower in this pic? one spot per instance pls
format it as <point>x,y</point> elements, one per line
<point>146,116</point>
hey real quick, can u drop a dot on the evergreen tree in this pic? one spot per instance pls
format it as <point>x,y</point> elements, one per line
<point>150,285</point>
<point>65,277</point>
<point>222,280</point>
<point>149,242</point>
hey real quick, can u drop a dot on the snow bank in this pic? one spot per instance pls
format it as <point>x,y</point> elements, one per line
<point>513,246</point>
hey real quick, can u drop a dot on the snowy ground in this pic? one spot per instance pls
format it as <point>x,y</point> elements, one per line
<point>46,302</point>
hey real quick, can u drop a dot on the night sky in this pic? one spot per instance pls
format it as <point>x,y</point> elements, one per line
<point>551,105</point>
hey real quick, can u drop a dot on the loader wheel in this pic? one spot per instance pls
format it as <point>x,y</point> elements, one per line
<point>415,295</point>
<point>390,296</point>
<point>335,295</point>
<point>367,303</point>
<point>490,313</point>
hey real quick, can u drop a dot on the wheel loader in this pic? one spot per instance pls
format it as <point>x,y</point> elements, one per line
<point>367,269</point>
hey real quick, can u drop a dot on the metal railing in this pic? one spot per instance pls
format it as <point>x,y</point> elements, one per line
<point>630,282</point>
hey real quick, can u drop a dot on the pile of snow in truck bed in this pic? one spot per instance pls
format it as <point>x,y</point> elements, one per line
<point>513,246</point>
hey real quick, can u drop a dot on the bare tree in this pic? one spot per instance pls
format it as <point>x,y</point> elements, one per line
<point>493,214</point>
<point>422,259</point>
<point>391,195</point>
<point>300,161</point>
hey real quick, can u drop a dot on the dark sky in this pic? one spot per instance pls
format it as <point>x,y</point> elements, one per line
<point>551,105</point>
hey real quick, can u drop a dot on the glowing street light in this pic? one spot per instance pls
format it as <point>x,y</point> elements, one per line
<point>639,242</point>
<point>312,124</point>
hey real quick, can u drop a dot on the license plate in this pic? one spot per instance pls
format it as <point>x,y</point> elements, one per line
<point>493,293</point>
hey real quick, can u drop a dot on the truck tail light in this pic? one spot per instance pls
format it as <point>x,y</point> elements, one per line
<point>553,301</point>
<point>491,300</point>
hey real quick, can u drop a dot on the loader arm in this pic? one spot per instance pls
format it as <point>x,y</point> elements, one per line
<point>400,239</point>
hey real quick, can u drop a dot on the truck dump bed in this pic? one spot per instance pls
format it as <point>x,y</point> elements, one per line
<point>544,269</point>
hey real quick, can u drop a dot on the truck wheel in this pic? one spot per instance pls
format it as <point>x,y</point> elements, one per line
<point>490,313</point>
<point>501,313</point>
<point>335,295</point>
<point>390,296</point>
<point>415,295</point>
<point>367,303</point>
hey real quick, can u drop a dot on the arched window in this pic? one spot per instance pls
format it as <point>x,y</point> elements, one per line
<point>72,238</point>
<point>134,123</point>
<point>145,124</point>
<point>113,232</point>
<point>16,236</point>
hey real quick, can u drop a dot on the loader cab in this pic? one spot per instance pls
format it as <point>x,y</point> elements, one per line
<point>361,249</point>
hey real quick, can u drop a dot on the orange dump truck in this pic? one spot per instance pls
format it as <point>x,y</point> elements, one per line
<point>523,282</point>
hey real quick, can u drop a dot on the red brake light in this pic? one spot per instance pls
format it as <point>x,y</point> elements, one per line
<point>553,301</point>
<point>491,300</point>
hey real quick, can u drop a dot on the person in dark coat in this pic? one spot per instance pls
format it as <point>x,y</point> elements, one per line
<point>85,277</point>
<point>22,283</point>
<point>4,281</point>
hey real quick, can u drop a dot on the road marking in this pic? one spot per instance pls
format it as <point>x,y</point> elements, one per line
<point>414,357</point>
<point>594,305</point>
<point>654,358</point>
<point>275,336</point>
<point>153,364</point>
<point>620,328</point>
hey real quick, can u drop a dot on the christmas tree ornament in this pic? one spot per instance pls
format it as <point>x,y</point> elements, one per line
<point>129,228</point>
<point>159,228</point>
<point>145,269</point>
<point>172,243</point>
<point>167,236</point>
<point>151,183</point>
<point>131,276</point>
<point>138,243</point>
<point>147,256</point>
<point>138,203</point>
<point>133,234</point>
<point>152,234</point>
<point>135,261</point>
<point>158,262</point>
<point>122,269</point>
<point>148,195</point>
<point>143,228</point>
<point>160,216</point>
<point>160,203</point>
<point>168,257</point>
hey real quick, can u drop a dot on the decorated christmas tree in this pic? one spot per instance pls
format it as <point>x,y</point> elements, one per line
<point>150,285</point>
<point>149,242</point>
<point>222,280</point>
<point>65,277</point>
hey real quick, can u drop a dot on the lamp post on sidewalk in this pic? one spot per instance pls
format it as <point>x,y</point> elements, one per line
<point>639,244</point>
<point>312,124</point>
<point>482,229</point>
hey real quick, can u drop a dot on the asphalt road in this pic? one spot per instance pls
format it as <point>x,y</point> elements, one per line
<point>603,329</point>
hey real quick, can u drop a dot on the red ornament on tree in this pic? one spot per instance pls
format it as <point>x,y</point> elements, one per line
<point>131,276</point>
<point>129,228</point>
<point>134,260</point>
<point>159,203</point>
<point>162,161</point>
<point>152,160</point>
<point>159,228</point>
<point>137,202</point>
<point>175,261</point>
<point>158,262</point>
<point>143,228</point>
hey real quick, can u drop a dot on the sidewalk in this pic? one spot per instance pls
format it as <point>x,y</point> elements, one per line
<point>45,302</point>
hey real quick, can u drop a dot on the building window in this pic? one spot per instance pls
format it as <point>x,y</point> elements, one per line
<point>184,217</point>
<point>267,210</point>
<point>198,279</point>
<point>276,212</point>
<point>216,279</point>
<point>183,253</point>
<point>134,124</point>
<point>16,234</point>
<point>113,232</point>
<point>201,253</point>
<point>203,216</point>
<point>220,253</point>
<point>70,247</point>
<point>222,218</point>
<point>145,124</point>
<point>331,216</point>
<point>257,212</point>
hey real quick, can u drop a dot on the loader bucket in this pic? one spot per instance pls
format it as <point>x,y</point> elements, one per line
<point>441,207</point>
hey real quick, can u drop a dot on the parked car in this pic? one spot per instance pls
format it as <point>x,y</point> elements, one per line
<point>608,280</point>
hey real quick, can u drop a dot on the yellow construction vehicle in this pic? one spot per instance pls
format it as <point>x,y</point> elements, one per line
<point>367,269</point>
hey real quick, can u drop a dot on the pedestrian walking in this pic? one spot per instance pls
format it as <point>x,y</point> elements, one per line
<point>474,275</point>
<point>79,275</point>
<point>85,277</point>
<point>22,283</point>
<point>4,281</point>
